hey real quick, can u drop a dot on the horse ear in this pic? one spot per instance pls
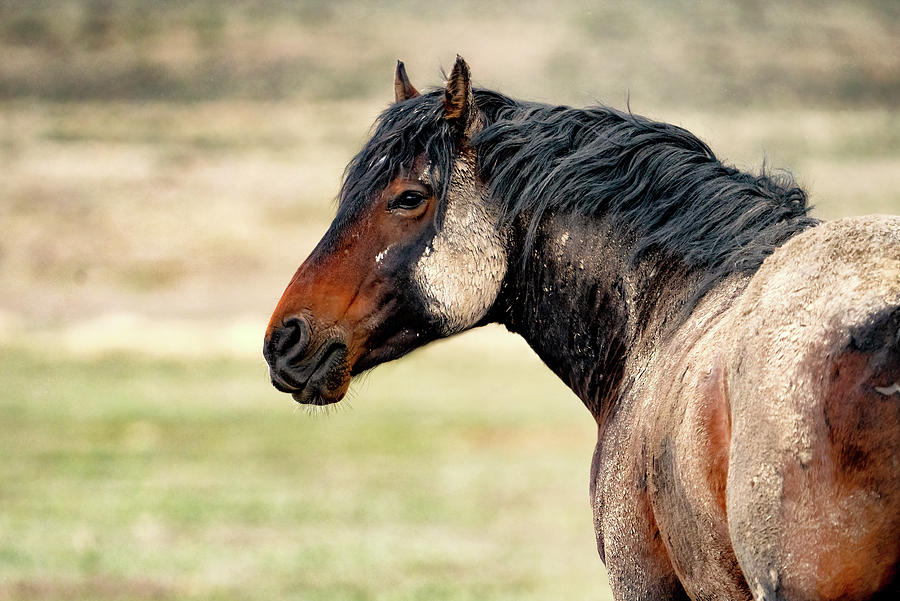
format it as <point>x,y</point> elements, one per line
<point>403,90</point>
<point>459,101</point>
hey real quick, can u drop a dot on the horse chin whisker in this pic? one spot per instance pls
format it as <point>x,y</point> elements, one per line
<point>323,411</point>
<point>345,405</point>
<point>318,411</point>
<point>315,411</point>
<point>359,382</point>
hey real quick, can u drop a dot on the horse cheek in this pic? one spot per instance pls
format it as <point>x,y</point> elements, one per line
<point>458,275</point>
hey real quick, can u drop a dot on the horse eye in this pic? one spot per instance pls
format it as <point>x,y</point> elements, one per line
<point>410,199</point>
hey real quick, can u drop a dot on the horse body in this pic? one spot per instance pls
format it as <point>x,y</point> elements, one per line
<point>733,471</point>
<point>742,361</point>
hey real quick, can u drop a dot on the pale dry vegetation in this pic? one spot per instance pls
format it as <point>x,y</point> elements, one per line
<point>154,159</point>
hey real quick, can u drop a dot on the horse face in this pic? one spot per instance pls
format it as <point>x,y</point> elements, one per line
<point>406,267</point>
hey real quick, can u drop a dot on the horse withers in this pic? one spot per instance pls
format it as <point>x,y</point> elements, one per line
<point>741,358</point>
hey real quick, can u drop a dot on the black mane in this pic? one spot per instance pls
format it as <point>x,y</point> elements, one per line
<point>655,181</point>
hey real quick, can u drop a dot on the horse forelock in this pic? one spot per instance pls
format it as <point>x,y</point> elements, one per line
<point>402,133</point>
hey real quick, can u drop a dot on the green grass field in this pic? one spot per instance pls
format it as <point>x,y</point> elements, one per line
<point>453,475</point>
<point>165,170</point>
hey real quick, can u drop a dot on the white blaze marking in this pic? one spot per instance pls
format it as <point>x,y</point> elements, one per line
<point>889,390</point>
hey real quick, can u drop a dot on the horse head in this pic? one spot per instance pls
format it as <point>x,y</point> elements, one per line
<point>414,253</point>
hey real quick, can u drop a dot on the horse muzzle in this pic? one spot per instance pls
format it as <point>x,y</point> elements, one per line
<point>312,371</point>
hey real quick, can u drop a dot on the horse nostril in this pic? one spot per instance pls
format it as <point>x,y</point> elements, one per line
<point>294,336</point>
<point>289,341</point>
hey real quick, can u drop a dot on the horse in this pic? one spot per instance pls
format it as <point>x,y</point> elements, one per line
<point>740,357</point>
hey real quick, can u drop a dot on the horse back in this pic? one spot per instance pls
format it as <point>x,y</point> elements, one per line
<point>813,382</point>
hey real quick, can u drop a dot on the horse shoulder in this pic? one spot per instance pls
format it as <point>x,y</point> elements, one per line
<point>628,537</point>
<point>660,468</point>
<point>687,412</point>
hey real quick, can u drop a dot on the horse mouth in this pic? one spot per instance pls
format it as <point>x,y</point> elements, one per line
<point>321,380</point>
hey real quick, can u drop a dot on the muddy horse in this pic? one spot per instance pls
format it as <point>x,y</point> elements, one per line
<point>741,358</point>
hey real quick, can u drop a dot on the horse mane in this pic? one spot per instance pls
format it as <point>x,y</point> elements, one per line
<point>653,181</point>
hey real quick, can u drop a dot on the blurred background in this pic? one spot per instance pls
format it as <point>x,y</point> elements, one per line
<point>166,167</point>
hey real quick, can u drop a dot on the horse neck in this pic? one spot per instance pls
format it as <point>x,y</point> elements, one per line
<point>584,305</point>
